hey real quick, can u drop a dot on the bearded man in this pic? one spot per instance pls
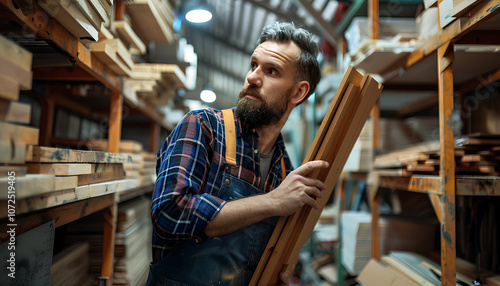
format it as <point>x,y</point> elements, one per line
<point>224,177</point>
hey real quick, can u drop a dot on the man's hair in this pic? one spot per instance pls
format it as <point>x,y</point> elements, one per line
<point>307,65</point>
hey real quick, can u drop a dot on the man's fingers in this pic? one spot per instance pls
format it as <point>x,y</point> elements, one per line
<point>310,167</point>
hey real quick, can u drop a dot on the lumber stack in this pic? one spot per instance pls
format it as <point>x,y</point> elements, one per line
<point>132,242</point>
<point>71,266</point>
<point>112,52</point>
<point>55,176</point>
<point>474,155</point>
<point>147,171</point>
<point>129,37</point>
<point>156,83</point>
<point>152,19</point>
<point>336,136</point>
<point>82,18</point>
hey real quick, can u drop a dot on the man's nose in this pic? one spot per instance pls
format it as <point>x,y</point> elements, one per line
<point>254,77</point>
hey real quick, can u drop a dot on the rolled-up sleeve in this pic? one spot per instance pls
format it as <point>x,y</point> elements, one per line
<point>180,208</point>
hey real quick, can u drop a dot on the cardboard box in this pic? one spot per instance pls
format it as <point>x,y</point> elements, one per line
<point>376,274</point>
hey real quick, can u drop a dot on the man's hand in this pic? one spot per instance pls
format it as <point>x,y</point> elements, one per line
<point>298,190</point>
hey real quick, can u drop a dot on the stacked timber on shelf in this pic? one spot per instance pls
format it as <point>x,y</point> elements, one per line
<point>143,165</point>
<point>474,155</point>
<point>82,18</point>
<point>113,53</point>
<point>156,83</point>
<point>16,139</point>
<point>336,136</point>
<point>71,266</point>
<point>152,19</point>
<point>129,37</point>
<point>133,242</point>
<point>58,176</point>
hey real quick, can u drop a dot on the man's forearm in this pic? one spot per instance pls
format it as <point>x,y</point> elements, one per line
<point>238,214</point>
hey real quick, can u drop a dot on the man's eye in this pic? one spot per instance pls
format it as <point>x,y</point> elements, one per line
<point>273,72</point>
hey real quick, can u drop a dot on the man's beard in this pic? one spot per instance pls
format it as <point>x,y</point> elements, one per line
<point>260,113</point>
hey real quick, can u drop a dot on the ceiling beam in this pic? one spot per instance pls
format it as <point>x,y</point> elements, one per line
<point>326,28</point>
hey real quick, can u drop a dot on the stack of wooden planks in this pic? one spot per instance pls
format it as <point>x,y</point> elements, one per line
<point>156,83</point>
<point>143,164</point>
<point>152,19</point>
<point>128,36</point>
<point>56,176</point>
<point>336,136</point>
<point>71,266</point>
<point>147,171</point>
<point>82,18</point>
<point>474,155</point>
<point>133,242</point>
<point>113,53</point>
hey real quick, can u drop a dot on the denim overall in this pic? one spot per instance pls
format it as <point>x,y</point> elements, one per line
<point>226,260</point>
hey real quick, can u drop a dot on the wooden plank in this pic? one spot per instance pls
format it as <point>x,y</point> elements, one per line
<point>18,171</point>
<point>67,13</point>
<point>122,52</point>
<point>105,52</point>
<point>94,178</point>
<point>109,187</point>
<point>115,119</point>
<point>54,155</point>
<point>11,152</point>
<point>148,22</point>
<point>9,88</point>
<point>275,247</point>
<point>18,133</point>
<point>15,54</point>
<point>15,74</point>
<point>447,166</point>
<point>27,186</point>
<point>15,111</point>
<point>128,35</point>
<point>369,96</point>
<point>65,182</point>
<point>477,186</point>
<point>285,258</point>
<point>125,146</point>
<point>90,13</point>
<point>60,169</point>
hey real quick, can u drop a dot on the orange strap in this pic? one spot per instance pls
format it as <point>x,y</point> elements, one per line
<point>230,136</point>
<point>230,132</point>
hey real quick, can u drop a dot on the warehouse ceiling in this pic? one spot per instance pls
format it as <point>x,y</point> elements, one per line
<point>225,44</point>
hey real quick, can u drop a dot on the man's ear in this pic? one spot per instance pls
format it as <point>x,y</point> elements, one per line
<point>302,89</point>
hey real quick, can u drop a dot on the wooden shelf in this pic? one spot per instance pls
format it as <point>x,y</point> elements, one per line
<point>420,66</point>
<point>36,21</point>
<point>465,185</point>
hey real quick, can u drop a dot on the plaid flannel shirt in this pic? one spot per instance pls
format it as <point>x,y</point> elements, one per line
<point>189,171</point>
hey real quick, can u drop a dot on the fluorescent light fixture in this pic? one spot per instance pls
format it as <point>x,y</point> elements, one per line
<point>208,95</point>
<point>199,16</point>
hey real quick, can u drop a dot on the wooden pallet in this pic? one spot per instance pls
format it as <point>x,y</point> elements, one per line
<point>336,136</point>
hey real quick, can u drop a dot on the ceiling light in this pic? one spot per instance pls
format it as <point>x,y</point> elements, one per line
<point>197,11</point>
<point>198,16</point>
<point>208,95</point>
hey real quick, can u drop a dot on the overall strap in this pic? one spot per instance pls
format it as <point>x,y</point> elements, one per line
<point>230,133</point>
<point>230,136</point>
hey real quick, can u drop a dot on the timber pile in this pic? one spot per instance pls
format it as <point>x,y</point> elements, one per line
<point>336,136</point>
<point>152,19</point>
<point>82,18</point>
<point>156,83</point>
<point>71,266</point>
<point>147,171</point>
<point>474,155</point>
<point>112,52</point>
<point>133,242</point>
<point>58,176</point>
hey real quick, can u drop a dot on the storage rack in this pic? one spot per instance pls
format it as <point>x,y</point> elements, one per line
<point>86,68</point>
<point>479,26</point>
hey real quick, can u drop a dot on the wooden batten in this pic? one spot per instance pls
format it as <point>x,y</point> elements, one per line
<point>336,136</point>
<point>54,155</point>
<point>15,54</point>
<point>130,38</point>
<point>107,52</point>
<point>15,111</point>
<point>148,21</point>
<point>90,13</point>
